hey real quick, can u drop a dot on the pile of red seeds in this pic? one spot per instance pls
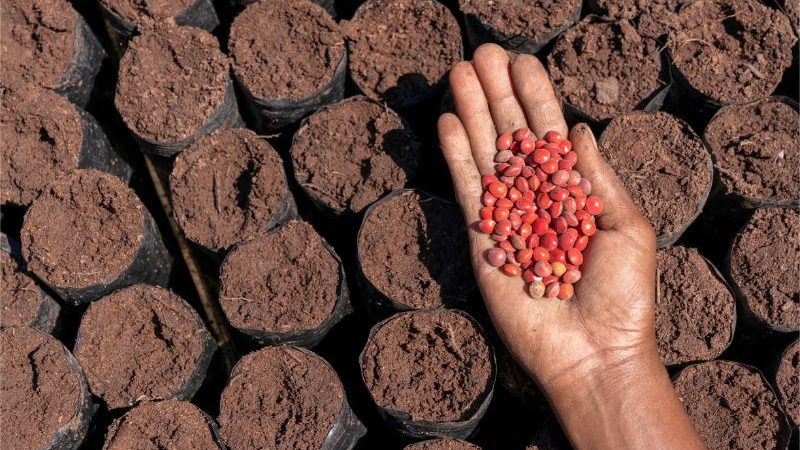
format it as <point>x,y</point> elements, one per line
<point>539,211</point>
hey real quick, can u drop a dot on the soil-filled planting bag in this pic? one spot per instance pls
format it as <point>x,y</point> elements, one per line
<point>732,406</point>
<point>348,155</point>
<point>45,402</point>
<point>430,373</point>
<point>787,381</point>
<point>88,235</point>
<point>762,263</point>
<point>653,19</point>
<point>284,287</point>
<point>288,395</point>
<point>401,50</point>
<point>174,87</point>
<point>228,187</point>
<point>413,253</point>
<point>442,444</point>
<point>47,43</point>
<point>289,58</point>
<point>664,166</point>
<point>756,151</point>
<point>143,343</point>
<point>125,16</point>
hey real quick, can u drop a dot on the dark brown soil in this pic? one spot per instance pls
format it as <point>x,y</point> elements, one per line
<point>762,259</point>
<point>280,398</point>
<point>730,405</point>
<point>100,228</point>
<point>787,380</point>
<point>21,297</point>
<point>226,187</point>
<point>664,166</point>
<point>353,153</point>
<point>442,444</point>
<point>283,281</point>
<point>732,51</point>
<point>653,18</point>
<point>533,19</point>
<point>168,424</point>
<point>401,49</point>
<point>604,68</point>
<point>140,343</point>
<point>39,392</point>
<point>435,365</point>
<point>135,10</point>
<point>695,310</point>
<point>171,81</point>
<point>756,148</point>
<point>413,248</point>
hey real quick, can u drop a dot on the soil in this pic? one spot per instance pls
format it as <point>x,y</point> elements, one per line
<point>42,139</point>
<point>172,79</point>
<point>664,166</point>
<point>605,68</point>
<point>787,380</point>
<point>533,19</point>
<point>99,230</point>
<point>169,424</point>
<point>756,148</point>
<point>730,405</point>
<point>695,310</point>
<point>436,366</point>
<point>39,391</point>
<point>280,398</point>
<point>284,281</point>
<point>652,18</point>
<point>442,444</point>
<point>353,153</point>
<point>793,11</point>
<point>752,46</point>
<point>226,188</point>
<point>767,250</point>
<point>21,297</point>
<point>135,10</point>
<point>140,343</point>
<point>401,49</point>
<point>413,249</point>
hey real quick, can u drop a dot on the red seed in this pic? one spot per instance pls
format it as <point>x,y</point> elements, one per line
<point>500,168</point>
<point>581,243</point>
<point>517,242</point>
<point>499,190</point>
<point>496,257</point>
<point>527,172</point>
<point>524,255</point>
<point>558,255</point>
<point>521,184</point>
<point>528,276</point>
<point>556,209</point>
<point>540,174</point>
<point>553,137</point>
<point>572,157</point>
<point>516,220</point>
<point>504,141</point>
<point>549,279</point>
<point>569,205</point>
<point>503,228</point>
<point>540,143</point>
<point>586,185</point>
<point>571,220</point>
<point>486,180</point>
<point>500,214</point>
<point>536,289</point>
<point>504,203</point>
<point>525,230</point>
<point>511,258</point>
<point>574,256</point>
<point>550,167</point>
<point>580,203</point>
<point>512,270</point>
<point>594,205</point>
<point>503,157</point>
<point>543,201</point>
<point>574,178</point>
<point>517,161</point>
<point>558,268</point>
<point>541,156</point>
<point>560,178</point>
<point>546,187</point>
<point>525,205</point>
<point>532,241</point>
<point>565,146</point>
<point>487,213</point>
<point>487,226</point>
<point>529,218</point>
<point>542,269</point>
<point>572,276</point>
<point>543,214</point>
<point>527,146</point>
<point>559,194</point>
<point>552,290</point>
<point>506,246</point>
<point>488,199</point>
<point>588,228</point>
<point>566,241</point>
<point>549,241</point>
<point>522,134</point>
<point>560,225</point>
<point>540,226</point>
<point>540,254</point>
<point>565,165</point>
<point>576,191</point>
<point>512,171</point>
<point>530,195</point>
<point>565,291</point>
<point>514,194</point>
<point>499,237</point>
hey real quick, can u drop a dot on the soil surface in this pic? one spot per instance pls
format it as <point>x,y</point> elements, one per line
<point>533,19</point>
<point>99,230</point>
<point>435,366</point>
<point>787,380</point>
<point>793,11</point>
<point>351,154</point>
<point>140,343</point>
<point>695,310</point>
<point>401,49</point>
<point>732,51</point>
<point>168,424</point>
<point>763,255</point>
<point>605,68</point>
<point>664,166</point>
<point>21,296</point>
<point>135,10</point>
<point>284,281</point>
<point>756,148</point>
<point>227,187</point>
<point>442,444</point>
<point>280,398</point>
<point>730,405</point>
<point>39,392</point>
<point>172,79</point>
<point>413,249</point>
<point>652,18</point>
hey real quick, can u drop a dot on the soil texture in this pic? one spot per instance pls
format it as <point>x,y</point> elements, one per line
<point>787,380</point>
<point>442,444</point>
<point>135,11</point>
<point>168,424</point>
<point>535,20</point>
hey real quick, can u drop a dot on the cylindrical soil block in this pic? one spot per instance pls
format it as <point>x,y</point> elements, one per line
<point>442,444</point>
<point>286,286</point>
<point>763,263</point>
<point>46,137</point>
<point>229,187</point>
<point>348,155</point>
<point>88,235</point>
<point>289,58</point>
<point>401,50</point>
<point>756,151</point>
<point>143,343</point>
<point>24,303</point>
<point>518,25</point>
<point>653,19</point>
<point>413,252</point>
<point>695,308</point>
<point>732,406</point>
<point>787,381</point>
<point>125,16</point>
<point>286,398</point>
<point>48,44</point>
<point>663,165</point>
<point>729,51</point>
<point>431,373</point>
<point>173,424</point>
<point>44,400</point>
<point>601,69</point>
<point>174,87</point>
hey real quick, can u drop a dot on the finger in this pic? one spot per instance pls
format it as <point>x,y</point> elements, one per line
<point>466,179</point>
<point>473,111</point>
<point>535,92</point>
<point>491,63</point>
